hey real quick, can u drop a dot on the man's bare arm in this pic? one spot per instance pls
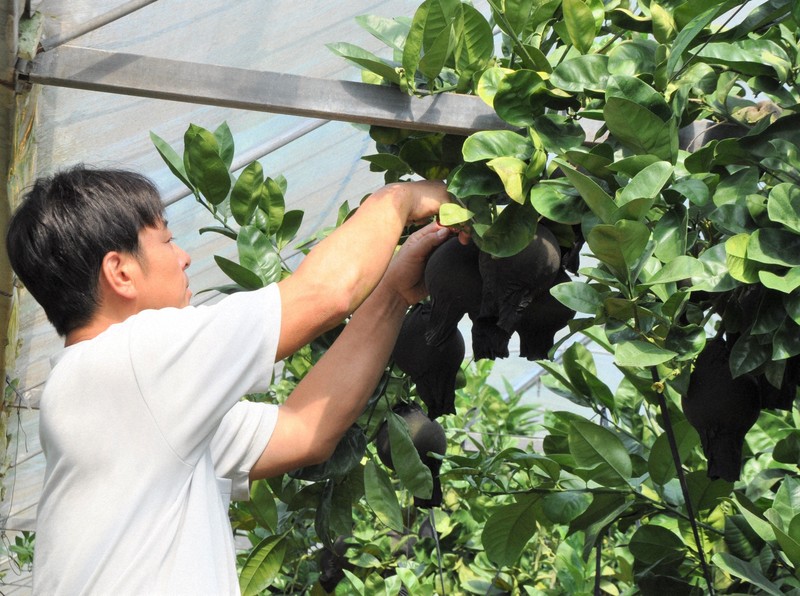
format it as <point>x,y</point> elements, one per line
<point>333,394</point>
<point>339,273</point>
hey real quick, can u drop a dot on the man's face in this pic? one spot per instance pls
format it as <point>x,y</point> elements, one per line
<point>163,281</point>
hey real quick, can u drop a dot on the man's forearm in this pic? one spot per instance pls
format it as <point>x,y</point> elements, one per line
<point>333,394</point>
<point>355,255</point>
<point>346,376</point>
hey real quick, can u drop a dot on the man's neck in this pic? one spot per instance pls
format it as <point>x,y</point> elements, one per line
<point>99,323</point>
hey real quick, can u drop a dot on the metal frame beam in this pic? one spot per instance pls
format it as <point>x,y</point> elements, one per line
<point>279,93</point>
<point>131,74</point>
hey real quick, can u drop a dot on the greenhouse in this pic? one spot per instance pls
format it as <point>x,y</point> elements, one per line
<point>614,415</point>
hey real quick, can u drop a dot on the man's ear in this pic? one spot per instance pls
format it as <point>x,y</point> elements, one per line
<point>117,274</point>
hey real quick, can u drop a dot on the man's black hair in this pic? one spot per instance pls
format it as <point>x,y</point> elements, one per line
<point>65,226</point>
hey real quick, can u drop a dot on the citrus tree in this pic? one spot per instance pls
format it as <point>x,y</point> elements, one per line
<point>654,147</point>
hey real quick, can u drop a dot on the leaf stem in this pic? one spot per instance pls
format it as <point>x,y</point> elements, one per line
<point>673,446</point>
<point>518,45</point>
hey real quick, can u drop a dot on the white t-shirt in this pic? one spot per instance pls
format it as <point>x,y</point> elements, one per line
<point>146,440</point>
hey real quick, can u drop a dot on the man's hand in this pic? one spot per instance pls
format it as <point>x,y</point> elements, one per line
<point>405,275</point>
<point>428,196</point>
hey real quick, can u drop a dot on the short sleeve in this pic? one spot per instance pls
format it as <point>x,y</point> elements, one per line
<point>239,441</point>
<point>193,364</point>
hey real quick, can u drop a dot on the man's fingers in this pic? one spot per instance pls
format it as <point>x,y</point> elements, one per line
<point>428,238</point>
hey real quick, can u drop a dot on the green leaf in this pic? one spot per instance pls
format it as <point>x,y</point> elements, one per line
<point>559,133</point>
<point>754,517</point>
<point>205,169</point>
<point>508,530</point>
<point>563,507</point>
<point>786,341</point>
<point>582,373</point>
<point>241,275</point>
<point>671,234</point>
<point>787,499</point>
<point>660,464</point>
<point>438,51</point>
<point>664,27</point>
<point>651,544</point>
<point>747,354</point>
<point>289,227</point>
<point>171,158</point>
<point>749,56</point>
<point>648,183</point>
<point>636,90</point>
<point>578,296</point>
<point>489,82</point>
<point>412,49</point>
<point>641,353</point>
<point>262,505</point>
<point>512,230</point>
<point>604,510</point>
<point>621,246</point>
<point>783,205</point>
<point>262,565</point>
<point>225,142</point>
<point>632,57</point>
<point>488,144</point>
<point>745,571</point>
<point>598,448</point>
<point>392,32</point>
<point>272,203</point>
<point>512,172</point>
<point>739,266</point>
<point>686,36</point>
<point>640,129</point>
<point>245,193</point>
<point>557,206</point>
<point>520,97</point>
<point>474,179</point>
<point>789,544</point>
<point>740,538</point>
<point>383,162</point>
<point>451,214</point>
<point>601,204</point>
<point>257,254</point>
<point>786,284</point>
<point>367,60</point>
<point>476,43</point>
<point>577,75</point>
<point>580,24</point>
<point>774,247</point>
<point>706,493</point>
<point>355,582</point>
<point>381,497</point>
<point>678,269</point>
<point>414,474</point>
<point>694,190</point>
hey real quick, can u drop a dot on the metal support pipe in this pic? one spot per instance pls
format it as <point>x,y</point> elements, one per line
<point>95,23</point>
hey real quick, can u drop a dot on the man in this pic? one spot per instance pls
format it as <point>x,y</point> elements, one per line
<point>142,426</point>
